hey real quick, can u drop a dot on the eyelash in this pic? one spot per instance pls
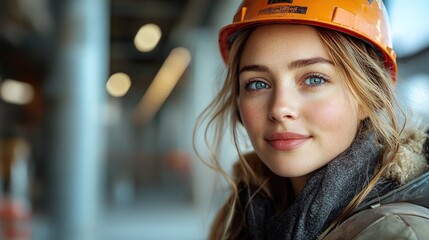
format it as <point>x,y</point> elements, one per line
<point>323,77</point>
<point>246,85</point>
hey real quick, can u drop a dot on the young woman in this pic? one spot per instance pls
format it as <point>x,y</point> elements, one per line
<point>312,84</point>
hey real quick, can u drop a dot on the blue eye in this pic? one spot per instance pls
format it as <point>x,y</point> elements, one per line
<point>256,85</point>
<point>314,81</point>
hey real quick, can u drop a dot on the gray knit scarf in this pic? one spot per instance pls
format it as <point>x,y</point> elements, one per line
<point>323,198</point>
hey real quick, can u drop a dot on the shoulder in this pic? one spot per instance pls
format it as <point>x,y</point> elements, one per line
<point>391,221</point>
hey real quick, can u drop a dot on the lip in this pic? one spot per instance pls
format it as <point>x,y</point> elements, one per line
<point>286,141</point>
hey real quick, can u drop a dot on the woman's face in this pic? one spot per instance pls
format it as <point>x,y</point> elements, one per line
<point>293,104</point>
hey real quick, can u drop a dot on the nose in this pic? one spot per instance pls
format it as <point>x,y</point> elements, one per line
<point>284,106</point>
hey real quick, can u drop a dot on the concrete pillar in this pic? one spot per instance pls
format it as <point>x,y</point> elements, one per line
<point>77,89</point>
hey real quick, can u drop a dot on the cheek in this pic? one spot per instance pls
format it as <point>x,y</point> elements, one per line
<point>251,114</point>
<point>246,113</point>
<point>336,115</point>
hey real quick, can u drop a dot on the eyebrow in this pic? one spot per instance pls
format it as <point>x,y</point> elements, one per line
<point>253,68</point>
<point>295,64</point>
<point>310,61</point>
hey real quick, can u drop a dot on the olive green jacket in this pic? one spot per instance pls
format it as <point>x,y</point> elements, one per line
<point>402,213</point>
<point>397,217</point>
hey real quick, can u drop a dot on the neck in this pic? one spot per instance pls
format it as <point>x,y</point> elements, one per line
<point>298,183</point>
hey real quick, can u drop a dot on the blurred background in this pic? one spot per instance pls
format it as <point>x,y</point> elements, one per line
<point>98,101</point>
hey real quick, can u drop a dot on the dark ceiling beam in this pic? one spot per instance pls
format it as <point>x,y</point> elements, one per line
<point>127,50</point>
<point>153,9</point>
<point>194,14</point>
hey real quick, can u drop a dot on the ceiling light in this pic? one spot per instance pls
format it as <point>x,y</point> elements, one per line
<point>118,84</point>
<point>147,37</point>
<point>16,92</point>
<point>163,83</point>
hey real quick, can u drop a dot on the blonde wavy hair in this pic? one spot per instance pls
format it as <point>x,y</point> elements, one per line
<point>366,78</point>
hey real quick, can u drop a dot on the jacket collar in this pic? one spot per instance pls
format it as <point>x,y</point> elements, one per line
<point>410,169</point>
<point>415,191</point>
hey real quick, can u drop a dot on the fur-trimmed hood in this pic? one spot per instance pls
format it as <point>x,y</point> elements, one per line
<point>410,169</point>
<point>411,160</point>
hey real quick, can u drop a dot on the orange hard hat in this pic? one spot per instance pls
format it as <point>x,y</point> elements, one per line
<point>364,19</point>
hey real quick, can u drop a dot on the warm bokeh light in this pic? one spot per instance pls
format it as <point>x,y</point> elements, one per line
<point>163,83</point>
<point>147,37</point>
<point>118,84</point>
<point>16,92</point>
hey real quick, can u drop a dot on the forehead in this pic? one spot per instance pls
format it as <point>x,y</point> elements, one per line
<point>282,43</point>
